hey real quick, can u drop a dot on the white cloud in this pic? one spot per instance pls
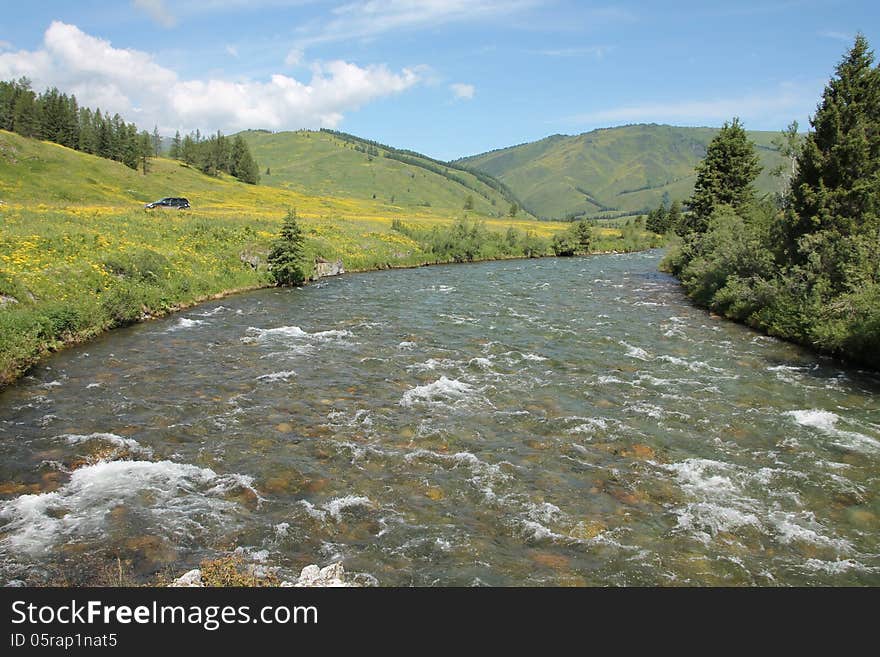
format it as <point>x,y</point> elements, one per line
<point>131,83</point>
<point>156,10</point>
<point>839,36</point>
<point>365,19</point>
<point>462,91</point>
<point>595,51</point>
<point>779,105</point>
<point>232,50</point>
<point>5,45</point>
<point>294,58</point>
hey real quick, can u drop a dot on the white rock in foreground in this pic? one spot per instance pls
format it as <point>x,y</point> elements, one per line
<point>189,578</point>
<point>329,576</point>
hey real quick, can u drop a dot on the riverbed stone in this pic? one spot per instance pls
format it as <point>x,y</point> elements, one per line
<point>328,576</point>
<point>434,493</point>
<point>191,578</point>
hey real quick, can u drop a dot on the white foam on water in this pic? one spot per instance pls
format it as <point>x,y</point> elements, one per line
<point>277,376</point>
<point>543,512</point>
<point>589,425</point>
<point>694,366</point>
<point>406,345</point>
<point>440,392</point>
<point>838,566</point>
<point>337,506</point>
<point>482,363</point>
<point>211,313</point>
<point>460,319</point>
<point>431,364</point>
<point>706,519</point>
<point>93,385</point>
<point>360,418</point>
<point>284,333</point>
<point>826,422</point>
<point>654,411</point>
<point>533,357</point>
<point>722,504</point>
<point>803,527</point>
<point>484,476</point>
<point>185,323</point>
<point>635,352</point>
<point>313,511</point>
<point>125,443</point>
<point>178,498</point>
<point>281,529</point>
<point>535,531</point>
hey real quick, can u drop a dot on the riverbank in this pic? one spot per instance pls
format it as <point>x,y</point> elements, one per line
<point>70,274</point>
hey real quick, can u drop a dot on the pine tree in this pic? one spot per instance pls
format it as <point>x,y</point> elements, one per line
<point>837,183</point>
<point>176,144</point>
<point>583,236</point>
<point>145,148</point>
<point>673,216</point>
<point>285,258</point>
<point>724,177</point>
<point>242,164</point>
<point>25,114</point>
<point>156,140</point>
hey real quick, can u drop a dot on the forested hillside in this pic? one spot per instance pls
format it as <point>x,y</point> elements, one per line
<point>612,171</point>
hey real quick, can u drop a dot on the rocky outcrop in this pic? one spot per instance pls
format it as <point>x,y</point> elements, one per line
<point>310,576</point>
<point>5,300</point>
<point>326,268</point>
<point>251,259</point>
<point>329,576</point>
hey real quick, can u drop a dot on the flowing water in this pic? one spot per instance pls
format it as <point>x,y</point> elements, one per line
<point>544,422</point>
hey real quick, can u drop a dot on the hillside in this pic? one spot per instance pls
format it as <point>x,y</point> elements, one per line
<point>336,164</point>
<point>610,171</point>
<point>80,255</point>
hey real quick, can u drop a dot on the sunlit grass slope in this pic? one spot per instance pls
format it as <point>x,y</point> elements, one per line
<point>613,170</point>
<point>79,254</point>
<point>329,164</point>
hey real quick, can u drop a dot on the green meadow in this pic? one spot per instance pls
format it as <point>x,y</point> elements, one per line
<point>80,255</point>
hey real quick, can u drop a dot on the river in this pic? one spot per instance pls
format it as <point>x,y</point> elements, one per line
<point>532,422</point>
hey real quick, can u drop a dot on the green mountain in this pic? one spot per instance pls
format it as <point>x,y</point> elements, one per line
<point>336,164</point>
<point>612,171</point>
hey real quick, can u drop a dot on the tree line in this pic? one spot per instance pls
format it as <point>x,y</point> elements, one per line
<point>57,117</point>
<point>806,268</point>
<point>216,153</point>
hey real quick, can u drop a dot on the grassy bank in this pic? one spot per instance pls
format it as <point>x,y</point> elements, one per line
<point>79,255</point>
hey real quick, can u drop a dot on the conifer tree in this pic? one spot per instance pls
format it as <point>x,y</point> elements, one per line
<point>285,258</point>
<point>174,151</point>
<point>724,177</point>
<point>837,183</point>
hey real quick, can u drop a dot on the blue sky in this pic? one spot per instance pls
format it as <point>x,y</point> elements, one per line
<point>445,77</point>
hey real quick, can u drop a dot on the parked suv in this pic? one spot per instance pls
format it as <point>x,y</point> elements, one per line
<point>170,202</point>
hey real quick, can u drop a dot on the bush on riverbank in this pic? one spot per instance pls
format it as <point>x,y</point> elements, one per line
<point>809,271</point>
